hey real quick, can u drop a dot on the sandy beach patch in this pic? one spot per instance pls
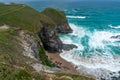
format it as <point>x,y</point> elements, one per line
<point>61,63</point>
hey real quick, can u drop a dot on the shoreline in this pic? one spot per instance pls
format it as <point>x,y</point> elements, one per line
<point>64,65</point>
<point>61,63</point>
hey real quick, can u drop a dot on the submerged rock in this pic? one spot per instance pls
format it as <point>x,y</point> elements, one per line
<point>116,37</point>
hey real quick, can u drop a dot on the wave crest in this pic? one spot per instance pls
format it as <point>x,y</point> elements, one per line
<point>116,27</point>
<point>79,17</point>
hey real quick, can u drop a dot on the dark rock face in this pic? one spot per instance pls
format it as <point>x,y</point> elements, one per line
<point>59,17</point>
<point>68,46</point>
<point>64,29</point>
<point>49,33</point>
<point>50,39</point>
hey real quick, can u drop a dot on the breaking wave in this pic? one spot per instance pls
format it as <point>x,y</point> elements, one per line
<point>116,27</point>
<point>79,17</point>
<point>95,52</point>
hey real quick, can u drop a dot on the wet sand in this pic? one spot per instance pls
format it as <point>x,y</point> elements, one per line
<point>61,63</point>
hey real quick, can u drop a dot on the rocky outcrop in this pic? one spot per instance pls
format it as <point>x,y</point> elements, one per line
<point>50,39</point>
<point>59,18</point>
<point>39,67</point>
<point>64,28</point>
<point>31,48</point>
<point>49,33</point>
<point>68,47</point>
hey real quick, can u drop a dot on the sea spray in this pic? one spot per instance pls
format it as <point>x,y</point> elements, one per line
<point>94,56</point>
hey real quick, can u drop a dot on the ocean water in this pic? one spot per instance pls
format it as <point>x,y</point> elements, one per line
<point>96,33</point>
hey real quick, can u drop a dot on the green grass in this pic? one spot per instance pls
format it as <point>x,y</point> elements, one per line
<point>7,41</point>
<point>10,56</point>
<point>23,17</point>
<point>44,58</point>
<point>10,73</point>
<point>56,15</point>
<point>19,18</point>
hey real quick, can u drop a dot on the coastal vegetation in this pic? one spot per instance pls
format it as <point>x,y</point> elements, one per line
<point>13,64</point>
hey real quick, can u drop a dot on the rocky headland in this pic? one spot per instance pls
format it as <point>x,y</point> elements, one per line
<point>25,36</point>
<point>49,34</point>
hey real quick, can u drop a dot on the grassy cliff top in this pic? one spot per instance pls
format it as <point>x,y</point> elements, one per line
<point>22,16</point>
<point>57,16</point>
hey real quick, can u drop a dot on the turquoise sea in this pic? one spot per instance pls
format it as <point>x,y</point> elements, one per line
<point>96,32</point>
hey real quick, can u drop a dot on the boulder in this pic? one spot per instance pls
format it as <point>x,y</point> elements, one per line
<point>68,46</point>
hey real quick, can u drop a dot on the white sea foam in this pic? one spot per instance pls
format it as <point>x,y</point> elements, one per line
<point>66,39</point>
<point>116,27</point>
<point>99,38</point>
<point>94,62</point>
<point>96,65</point>
<point>79,17</point>
<point>77,31</point>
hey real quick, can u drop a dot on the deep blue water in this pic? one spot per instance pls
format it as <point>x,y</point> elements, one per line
<point>94,24</point>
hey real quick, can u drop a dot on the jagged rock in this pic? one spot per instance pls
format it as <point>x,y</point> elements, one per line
<point>64,29</point>
<point>39,67</point>
<point>50,39</point>
<point>31,48</point>
<point>49,33</point>
<point>68,46</point>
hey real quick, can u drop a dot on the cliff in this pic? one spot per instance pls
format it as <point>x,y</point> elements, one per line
<point>22,51</point>
<point>59,18</point>
<point>49,33</point>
